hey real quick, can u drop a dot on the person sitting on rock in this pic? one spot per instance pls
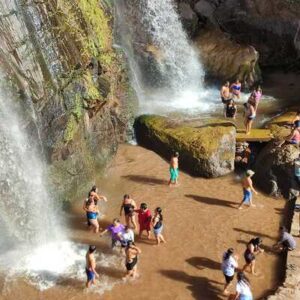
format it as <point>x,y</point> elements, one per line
<point>293,138</point>
<point>296,120</point>
<point>231,109</point>
<point>286,242</point>
<point>235,89</point>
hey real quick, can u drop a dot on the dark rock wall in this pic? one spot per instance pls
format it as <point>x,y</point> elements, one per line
<point>271,27</point>
<point>59,54</point>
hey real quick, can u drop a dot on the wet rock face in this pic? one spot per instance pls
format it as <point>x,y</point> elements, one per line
<point>206,150</point>
<point>271,27</point>
<point>60,55</point>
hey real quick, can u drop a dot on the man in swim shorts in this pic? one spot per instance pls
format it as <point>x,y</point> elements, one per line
<point>90,267</point>
<point>174,172</point>
<point>247,189</point>
<point>132,253</point>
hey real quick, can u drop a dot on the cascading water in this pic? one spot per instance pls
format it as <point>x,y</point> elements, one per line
<point>166,71</point>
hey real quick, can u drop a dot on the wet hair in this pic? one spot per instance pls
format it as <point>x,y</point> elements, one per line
<point>159,211</point>
<point>116,220</point>
<point>126,196</point>
<point>241,277</point>
<point>228,253</point>
<point>282,228</point>
<point>143,206</point>
<point>256,241</point>
<point>92,248</point>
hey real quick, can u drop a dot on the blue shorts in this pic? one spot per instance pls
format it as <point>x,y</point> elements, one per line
<point>158,230</point>
<point>247,196</point>
<point>174,173</point>
<point>90,274</point>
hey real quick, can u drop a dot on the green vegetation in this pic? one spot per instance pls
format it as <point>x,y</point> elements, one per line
<point>70,129</point>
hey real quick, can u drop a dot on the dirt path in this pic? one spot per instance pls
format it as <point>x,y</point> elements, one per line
<point>201,221</point>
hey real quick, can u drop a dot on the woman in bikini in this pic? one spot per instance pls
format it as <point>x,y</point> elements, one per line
<point>235,89</point>
<point>158,226</point>
<point>128,205</point>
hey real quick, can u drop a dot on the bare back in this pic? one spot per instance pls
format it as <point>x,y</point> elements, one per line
<point>174,162</point>
<point>225,93</point>
<point>90,261</point>
<point>131,253</point>
<point>247,183</point>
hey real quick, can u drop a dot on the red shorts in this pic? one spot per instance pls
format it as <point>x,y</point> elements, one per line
<point>145,227</point>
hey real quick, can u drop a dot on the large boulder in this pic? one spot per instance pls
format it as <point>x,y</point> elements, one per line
<point>275,170</point>
<point>206,149</point>
<point>226,59</point>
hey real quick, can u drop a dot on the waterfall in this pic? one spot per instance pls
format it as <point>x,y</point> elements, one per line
<point>165,68</point>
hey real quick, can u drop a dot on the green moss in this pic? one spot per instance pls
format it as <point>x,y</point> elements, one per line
<point>77,111</point>
<point>70,129</point>
<point>92,91</point>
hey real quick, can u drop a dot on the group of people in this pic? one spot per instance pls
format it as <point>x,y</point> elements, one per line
<point>231,92</point>
<point>122,235</point>
<point>230,263</point>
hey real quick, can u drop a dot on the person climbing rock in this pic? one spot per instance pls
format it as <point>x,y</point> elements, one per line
<point>286,242</point>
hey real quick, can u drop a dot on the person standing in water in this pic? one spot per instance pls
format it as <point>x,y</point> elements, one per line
<point>243,288</point>
<point>174,171</point>
<point>253,248</point>
<point>92,212</point>
<point>229,265</point>
<point>129,206</point>
<point>235,89</point>
<point>250,115</point>
<point>157,223</point>
<point>90,267</point>
<point>132,253</point>
<point>144,217</point>
<point>116,230</point>
<point>231,110</point>
<point>225,95</point>
<point>248,189</point>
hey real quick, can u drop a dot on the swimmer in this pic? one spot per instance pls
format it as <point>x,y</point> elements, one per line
<point>229,265</point>
<point>90,267</point>
<point>132,253</point>
<point>235,89</point>
<point>128,205</point>
<point>174,171</point>
<point>92,213</point>
<point>115,229</point>
<point>253,248</point>
<point>144,217</point>
<point>157,223</point>
<point>250,115</point>
<point>248,189</point>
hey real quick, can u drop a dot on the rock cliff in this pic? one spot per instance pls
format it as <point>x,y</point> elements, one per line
<point>59,54</point>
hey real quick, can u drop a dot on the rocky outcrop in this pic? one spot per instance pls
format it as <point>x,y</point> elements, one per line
<point>227,60</point>
<point>206,149</point>
<point>275,170</point>
<point>59,56</point>
<point>271,27</point>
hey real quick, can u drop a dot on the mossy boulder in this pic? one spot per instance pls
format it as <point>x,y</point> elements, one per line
<point>206,149</point>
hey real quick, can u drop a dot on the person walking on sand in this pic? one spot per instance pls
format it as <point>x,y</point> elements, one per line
<point>235,89</point>
<point>144,217</point>
<point>128,205</point>
<point>229,265</point>
<point>92,213</point>
<point>115,229</point>
<point>248,189</point>
<point>157,223</point>
<point>90,267</point>
<point>174,171</point>
<point>253,248</point>
<point>250,115</point>
<point>286,242</point>
<point>132,253</point>
<point>243,288</point>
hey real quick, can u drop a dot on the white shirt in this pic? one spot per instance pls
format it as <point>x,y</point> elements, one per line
<point>243,288</point>
<point>128,236</point>
<point>229,265</point>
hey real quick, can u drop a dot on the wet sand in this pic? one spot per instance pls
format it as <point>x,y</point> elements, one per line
<point>201,222</point>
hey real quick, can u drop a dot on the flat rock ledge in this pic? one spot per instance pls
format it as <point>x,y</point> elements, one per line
<point>206,148</point>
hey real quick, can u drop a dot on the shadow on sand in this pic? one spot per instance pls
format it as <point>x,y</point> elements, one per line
<point>204,263</point>
<point>201,287</point>
<point>213,201</point>
<point>254,233</point>
<point>146,180</point>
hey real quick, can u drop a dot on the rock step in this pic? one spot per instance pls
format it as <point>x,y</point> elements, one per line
<point>256,135</point>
